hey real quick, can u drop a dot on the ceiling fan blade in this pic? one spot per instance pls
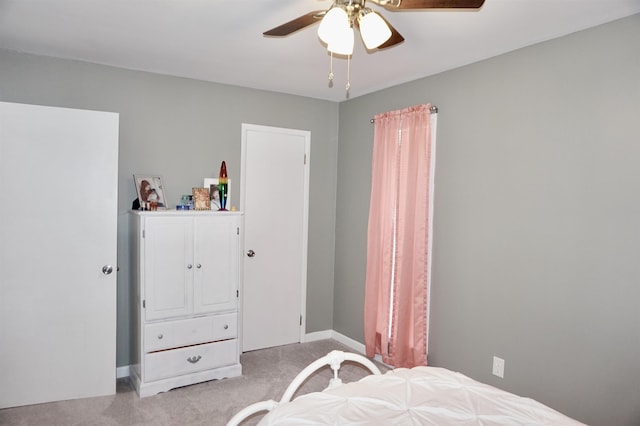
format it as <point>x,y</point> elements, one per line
<point>296,24</point>
<point>395,38</point>
<point>429,4</point>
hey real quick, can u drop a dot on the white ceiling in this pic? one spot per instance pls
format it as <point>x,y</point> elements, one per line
<point>222,42</point>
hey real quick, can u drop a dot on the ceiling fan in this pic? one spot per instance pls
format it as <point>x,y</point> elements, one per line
<point>359,16</point>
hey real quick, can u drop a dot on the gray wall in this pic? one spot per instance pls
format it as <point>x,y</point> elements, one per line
<point>182,129</point>
<point>537,219</point>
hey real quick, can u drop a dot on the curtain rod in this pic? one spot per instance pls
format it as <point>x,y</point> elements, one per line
<point>433,110</point>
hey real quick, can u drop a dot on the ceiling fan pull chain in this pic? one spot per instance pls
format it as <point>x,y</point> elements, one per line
<point>331,69</point>
<point>348,73</point>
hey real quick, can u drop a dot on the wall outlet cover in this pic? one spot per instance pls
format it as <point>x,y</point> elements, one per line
<point>498,367</point>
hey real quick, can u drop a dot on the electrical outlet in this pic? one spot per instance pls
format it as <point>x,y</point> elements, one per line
<point>498,367</point>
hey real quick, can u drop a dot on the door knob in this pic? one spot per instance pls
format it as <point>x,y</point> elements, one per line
<point>107,269</point>
<point>251,253</point>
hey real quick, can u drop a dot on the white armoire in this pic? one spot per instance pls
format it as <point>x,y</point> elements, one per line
<point>186,270</point>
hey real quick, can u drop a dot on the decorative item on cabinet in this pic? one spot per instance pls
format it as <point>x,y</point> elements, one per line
<point>186,202</point>
<point>150,192</point>
<point>201,199</point>
<point>222,186</point>
<point>187,270</point>
<point>214,192</point>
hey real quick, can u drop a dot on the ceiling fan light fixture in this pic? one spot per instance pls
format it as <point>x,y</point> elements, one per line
<point>336,29</point>
<point>333,24</point>
<point>343,42</point>
<point>373,29</point>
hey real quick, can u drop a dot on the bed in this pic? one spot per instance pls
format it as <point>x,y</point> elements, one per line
<point>417,396</point>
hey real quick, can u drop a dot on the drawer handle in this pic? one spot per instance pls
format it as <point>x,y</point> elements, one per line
<point>160,336</point>
<point>226,326</point>
<point>194,359</point>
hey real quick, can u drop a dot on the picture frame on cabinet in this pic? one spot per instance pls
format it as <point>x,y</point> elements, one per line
<point>214,195</point>
<point>150,191</point>
<point>201,200</point>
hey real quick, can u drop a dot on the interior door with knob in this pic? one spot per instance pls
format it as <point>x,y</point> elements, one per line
<point>274,199</point>
<point>58,230</point>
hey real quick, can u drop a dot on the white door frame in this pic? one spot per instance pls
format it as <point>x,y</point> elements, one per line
<point>305,233</point>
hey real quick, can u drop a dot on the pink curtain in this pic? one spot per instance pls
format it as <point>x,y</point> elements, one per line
<point>397,245</point>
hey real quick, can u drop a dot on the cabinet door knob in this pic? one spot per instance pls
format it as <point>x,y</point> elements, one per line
<point>251,253</point>
<point>226,326</point>
<point>189,266</point>
<point>198,266</point>
<point>194,359</point>
<point>160,336</point>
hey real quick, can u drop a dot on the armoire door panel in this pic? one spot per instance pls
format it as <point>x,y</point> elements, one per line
<point>217,243</point>
<point>169,266</point>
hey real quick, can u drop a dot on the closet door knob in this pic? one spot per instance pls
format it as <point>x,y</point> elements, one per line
<point>251,253</point>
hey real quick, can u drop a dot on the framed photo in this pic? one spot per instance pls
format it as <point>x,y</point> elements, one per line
<point>150,190</point>
<point>201,199</point>
<point>214,194</point>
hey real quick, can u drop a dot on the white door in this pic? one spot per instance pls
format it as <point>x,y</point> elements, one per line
<point>58,228</point>
<point>274,198</point>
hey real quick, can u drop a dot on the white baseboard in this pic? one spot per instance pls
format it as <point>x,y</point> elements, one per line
<point>122,372</point>
<point>347,341</point>
<point>317,335</point>
<point>331,334</point>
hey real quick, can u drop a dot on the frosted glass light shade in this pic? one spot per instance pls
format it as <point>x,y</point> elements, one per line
<point>373,29</point>
<point>335,21</point>
<point>343,43</point>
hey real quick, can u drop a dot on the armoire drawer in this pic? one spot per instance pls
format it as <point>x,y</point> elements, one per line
<point>175,362</point>
<point>190,331</point>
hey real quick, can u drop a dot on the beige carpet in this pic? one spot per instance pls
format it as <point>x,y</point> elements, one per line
<point>266,373</point>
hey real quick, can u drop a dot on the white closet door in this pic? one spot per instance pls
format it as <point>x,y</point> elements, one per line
<point>58,229</point>
<point>275,202</point>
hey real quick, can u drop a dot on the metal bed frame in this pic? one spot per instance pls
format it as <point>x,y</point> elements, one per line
<point>334,359</point>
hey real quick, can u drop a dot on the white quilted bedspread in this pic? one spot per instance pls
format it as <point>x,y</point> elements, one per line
<point>418,396</point>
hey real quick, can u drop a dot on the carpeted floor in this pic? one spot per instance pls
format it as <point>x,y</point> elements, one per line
<point>266,373</point>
